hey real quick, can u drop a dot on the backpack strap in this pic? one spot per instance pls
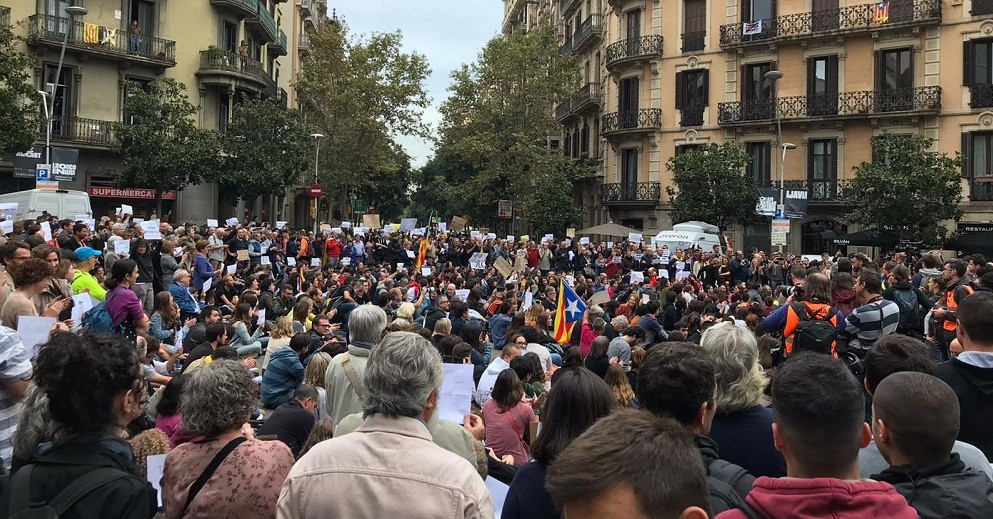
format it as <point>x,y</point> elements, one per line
<point>20,498</point>
<point>209,471</point>
<point>352,376</point>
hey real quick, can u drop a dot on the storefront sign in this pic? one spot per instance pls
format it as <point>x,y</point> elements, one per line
<point>63,162</point>
<point>140,193</point>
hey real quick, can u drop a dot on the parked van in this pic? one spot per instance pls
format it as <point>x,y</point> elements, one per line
<point>691,235</point>
<point>63,203</point>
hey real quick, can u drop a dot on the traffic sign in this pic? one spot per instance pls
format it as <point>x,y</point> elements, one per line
<point>43,177</point>
<point>780,228</point>
<point>316,191</point>
<point>359,205</point>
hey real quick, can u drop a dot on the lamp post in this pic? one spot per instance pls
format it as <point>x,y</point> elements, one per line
<point>71,11</point>
<point>317,157</point>
<point>773,77</point>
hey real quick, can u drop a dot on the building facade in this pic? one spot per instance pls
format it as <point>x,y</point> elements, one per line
<point>663,78</point>
<point>221,50</point>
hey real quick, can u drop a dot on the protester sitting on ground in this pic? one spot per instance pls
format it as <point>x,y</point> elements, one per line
<point>401,382</point>
<point>165,323</point>
<point>292,421</point>
<point>59,287</point>
<point>630,465</point>
<point>620,347</point>
<point>126,313</point>
<point>619,385</point>
<point>243,340</point>
<point>216,336</point>
<point>197,334</point>
<point>917,441</point>
<point>180,290</point>
<point>487,381</point>
<point>279,338</point>
<point>217,403</point>
<point>285,372</point>
<point>344,378</point>
<point>819,427</point>
<point>508,418</point>
<point>314,375</point>
<point>323,430</point>
<point>677,380</point>
<point>84,282</point>
<point>89,427</point>
<point>742,426</point>
<point>31,278</point>
<point>169,421</point>
<point>894,354</point>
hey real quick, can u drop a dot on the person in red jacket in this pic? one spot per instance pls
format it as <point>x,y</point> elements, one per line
<point>819,426</point>
<point>333,248</point>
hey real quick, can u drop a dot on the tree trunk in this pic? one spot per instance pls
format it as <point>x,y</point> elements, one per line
<point>158,203</point>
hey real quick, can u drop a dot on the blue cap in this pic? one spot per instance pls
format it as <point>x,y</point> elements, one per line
<point>85,253</point>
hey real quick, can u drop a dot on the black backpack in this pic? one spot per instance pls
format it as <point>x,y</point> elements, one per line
<point>20,506</point>
<point>906,301</point>
<point>811,333</point>
<point>722,478</point>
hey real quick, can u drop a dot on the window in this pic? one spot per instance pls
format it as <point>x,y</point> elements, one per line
<point>822,85</point>
<point>764,10</point>
<point>977,164</point>
<point>223,112</point>
<point>63,105</point>
<point>977,71</point>
<point>584,139</point>
<point>629,166</point>
<point>757,101</point>
<point>633,23</point>
<point>824,15</point>
<point>894,80</point>
<point>567,144</point>
<point>143,12</point>
<point>230,37</point>
<point>627,102</point>
<point>686,148</point>
<point>575,143</point>
<point>692,88</point>
<point>822,169</point>
<point>759,168</point>
<point>981,7</point>
<point>694,25</point>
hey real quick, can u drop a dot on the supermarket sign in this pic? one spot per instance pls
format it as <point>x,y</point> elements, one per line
<point>140,193</point>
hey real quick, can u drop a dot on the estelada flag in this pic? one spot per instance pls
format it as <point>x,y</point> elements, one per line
<point>568,312</point>
<point>422,252</point>
<point>881,12</point>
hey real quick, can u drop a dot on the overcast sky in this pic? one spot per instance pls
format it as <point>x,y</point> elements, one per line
<point>448,32</point>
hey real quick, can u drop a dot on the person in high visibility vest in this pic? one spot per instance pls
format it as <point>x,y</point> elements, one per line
<point>815,297</point>
<point>957,288</point>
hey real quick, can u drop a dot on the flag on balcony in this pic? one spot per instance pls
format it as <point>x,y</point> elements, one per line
<point>91,33</point>
<point>881,12</point>
<point>751,28</point>
<point>108,36</point>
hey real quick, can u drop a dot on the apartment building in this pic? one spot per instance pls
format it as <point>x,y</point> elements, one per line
<point>222,50</point>
<point>663,78</point>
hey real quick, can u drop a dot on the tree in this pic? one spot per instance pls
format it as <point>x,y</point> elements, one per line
<point>267,148</point>
<point>18,96</point>
<point>497,119</point>
<point>361,94</point>
<point>388,190</point>
<point>551,208</point>
<point>907,189</point>
<point>711,186</point>
<point>162,147</point>
<point>434,191</point>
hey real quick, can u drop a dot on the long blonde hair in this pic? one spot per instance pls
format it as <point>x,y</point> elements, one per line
<point>283,329</point>
<point>619,385</point>
<point>316,369</point>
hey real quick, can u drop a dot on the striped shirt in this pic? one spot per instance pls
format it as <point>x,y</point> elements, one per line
<point>15,365</point>
<point>870,322</point>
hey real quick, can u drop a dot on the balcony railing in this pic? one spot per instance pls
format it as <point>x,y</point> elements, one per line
<point>818,190</point>
<point>102,41</point>
<point>563,110</point>
<point>645,119</point>
<point>587,96</point>
<point>304,45</point>
<point>691,116</point>
<point>306,7</point>
<point>640,192</point>
<point>566,46</point>
<point>853,18</point>
<point>981,96</point>
<point>283,96</point>
<point>645,47</point>
<point>694,41</point>
<point>264,18</point>
<point>589,31</point>
<point>566,5</point>
<point>980,191</point>
<point>847,104</point>
<point>81,130</point>
<point>278,46</point>
<point>245,7</point>
<point>221,60</point>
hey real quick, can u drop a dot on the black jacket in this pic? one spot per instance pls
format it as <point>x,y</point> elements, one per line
<point>974,388</point>
<point>291,423</point>
<point>944,491</point>
<point>432,317</point>
<point>727,483</point>
<point>131,497</point>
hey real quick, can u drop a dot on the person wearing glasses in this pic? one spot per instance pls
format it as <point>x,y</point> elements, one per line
<point>12,254</point>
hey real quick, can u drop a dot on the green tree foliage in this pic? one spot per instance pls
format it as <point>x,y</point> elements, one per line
<point>434,192</point>
<point>909,189</point>
<point>162,147</point>
<point>267,148</point>
<point>551,208</point>
<point>18,96</point>
<point>709,185</point>
<point>496,123</point>
<point>361,93</point>
<point>389,190</point>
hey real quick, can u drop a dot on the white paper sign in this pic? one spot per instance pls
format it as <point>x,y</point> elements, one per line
<point>443,226</point>
<point>47,229</point>
<point>664,273</point>
<point>408,224</point>
<point>346,261</point>
<point>292,262</point>
<point>261,320</point>
<point>137,221</point>
<point>491,236</point>
<point>82,303</point>
<point>410,254</point>
<point>280,224</point>
<point>610,245</point>
<point>211,222</point>
<point>510,238</point>
<point>207,284</point>
<point>584,240</point>
<point>498,491</point>
<point>478,260</point>
<point>344,225</point>
<point>126,209</point>
<point>455,396</point>
<point>635,237</point>
<point>462,293</point>
<point>156,466</point>
<point>528,301</point>
<point>637,277</point>
<point>122,247</point>
<point>151,230</point>
<point>231,222</point>
<point>7,226</point>
<point>425,271</point>
<point>232,269</point>
<point>34,332</point>
<point>264,260</point>
<point>682,274</point>
<point>82,217</point>
<point>91,223</point>
<point>315,262</point>
<point>399,266</point>
<point>8,210</point>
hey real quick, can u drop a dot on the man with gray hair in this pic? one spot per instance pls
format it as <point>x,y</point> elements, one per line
<point>389,466</point>
<point>343,380</point>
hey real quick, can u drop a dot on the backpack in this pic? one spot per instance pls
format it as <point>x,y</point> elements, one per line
<point>98,318</point>
<point>721,480</point>
<point>906,301</point>
<point>20,506</point>
<point>812,334</point>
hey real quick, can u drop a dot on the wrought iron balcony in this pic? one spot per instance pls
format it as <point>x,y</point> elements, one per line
<point>219,67</point>
<point>853,18</point>
<point>81,131</point>
<point>631,121</point>
<point>306,7</point>
<point>563,110</point>
<point>818,190</point>
<point>588,33</point>
<point>865,103</point>
<point>96,40</point>
<point>4,15</point>
<point>278,46</point>
<point>566,5</point>
<point>566,46</point>
<point>283,96</point>
<point>241,7</point>
<point>980,191</point>
<point>587,97</point>
<point>262,21</point>
<point>981,96</point>
<point>691,116</point>
<point>694,41</point>
<point>304,45</point>
<point>640,193</point>
<point>634,49</point>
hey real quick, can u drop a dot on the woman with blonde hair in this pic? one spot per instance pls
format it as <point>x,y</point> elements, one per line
<point>406,311</point>
<point>742,426</point>
<point>619,385</point>
<point>442,329</point>
<point>314,375</point>
<point>279,338</point>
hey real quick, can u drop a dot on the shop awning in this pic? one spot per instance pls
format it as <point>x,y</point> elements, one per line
<point>981,241</point>
<point>869,238</point>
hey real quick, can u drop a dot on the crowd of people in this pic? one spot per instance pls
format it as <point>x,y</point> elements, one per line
<point>292,375</point>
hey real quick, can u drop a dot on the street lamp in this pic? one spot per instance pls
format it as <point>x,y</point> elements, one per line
<point>317,157</point>
<point>773,77</point>
<point>71,11</point>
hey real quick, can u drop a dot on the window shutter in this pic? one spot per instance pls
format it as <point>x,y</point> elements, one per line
<point>833,172</point>
<point>680,89</point>
<point>706,87</point>
<point>967,155</point>
<point>766,173</point>
<point>832,75</point>
<point>879,71</point>
<point>811,75</point>
<point>968,63</point>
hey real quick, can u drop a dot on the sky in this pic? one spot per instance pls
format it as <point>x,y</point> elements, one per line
<point>448,32</point>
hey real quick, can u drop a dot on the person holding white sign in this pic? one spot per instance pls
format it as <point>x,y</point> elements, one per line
<point>31,278</point>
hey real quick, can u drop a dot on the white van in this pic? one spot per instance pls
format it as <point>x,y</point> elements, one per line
<point>63,203</point>
<point>691,234</point>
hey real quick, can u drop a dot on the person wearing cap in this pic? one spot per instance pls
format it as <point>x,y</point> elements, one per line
<point>83,281</point>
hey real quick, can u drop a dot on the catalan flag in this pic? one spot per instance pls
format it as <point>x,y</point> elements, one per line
<point>881,12</point>
<point>568,312</point>
<point>422,253</point>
